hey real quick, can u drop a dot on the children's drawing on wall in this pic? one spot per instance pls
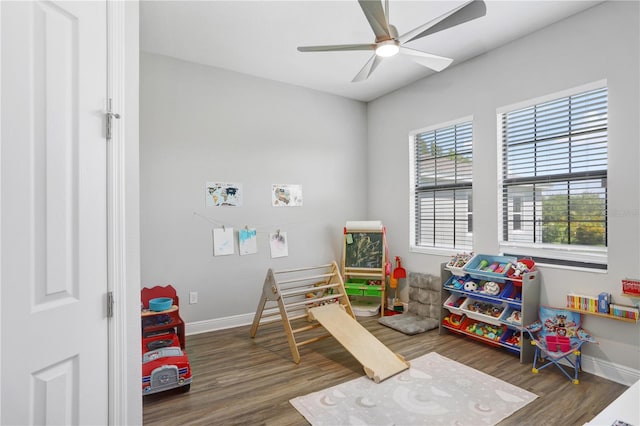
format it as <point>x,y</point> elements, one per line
<point>223,241</point>
<point>247,241</point>
<point>286,195</point>
<point>278,244</point>
<point>223,194</point>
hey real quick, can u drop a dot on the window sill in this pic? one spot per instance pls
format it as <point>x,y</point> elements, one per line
<point>578,258</point>
<point>436,251</point>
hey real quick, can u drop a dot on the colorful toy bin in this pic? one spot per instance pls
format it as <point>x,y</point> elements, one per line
<point>160,304</point>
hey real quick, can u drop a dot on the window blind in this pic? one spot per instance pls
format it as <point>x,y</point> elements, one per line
<point>554,171</point>
<point>443,214</point>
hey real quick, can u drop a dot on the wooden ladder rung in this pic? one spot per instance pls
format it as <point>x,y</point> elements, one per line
<point>306,328</point>
<point>313,339</point>
<point>272,312</point>
<point>297,317</point>
<point>307,290</point>
<point>277,317</point>
<point>269,320</point>
<point>314,300</point>
<point>309,278</point>
<point>308,268</point>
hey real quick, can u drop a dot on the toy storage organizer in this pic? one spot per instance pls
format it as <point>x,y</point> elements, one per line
<point>364,261</point>
<point>485,300</point>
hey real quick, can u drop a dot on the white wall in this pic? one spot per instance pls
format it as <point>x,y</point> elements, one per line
<point>600,43</point>
<point>200,124</point>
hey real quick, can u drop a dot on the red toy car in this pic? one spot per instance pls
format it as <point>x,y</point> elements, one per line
<point>164,364</point>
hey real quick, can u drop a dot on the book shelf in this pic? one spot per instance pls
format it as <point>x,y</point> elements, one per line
<point>602,315</point>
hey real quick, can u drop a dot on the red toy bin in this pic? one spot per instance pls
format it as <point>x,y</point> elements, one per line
<point>530,264</point>
<point>453,321</point>
<point>470,328</point>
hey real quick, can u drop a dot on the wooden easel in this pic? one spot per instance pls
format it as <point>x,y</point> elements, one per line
<point>365,256</point>
<point>287,296</point>
<point>317,295</point>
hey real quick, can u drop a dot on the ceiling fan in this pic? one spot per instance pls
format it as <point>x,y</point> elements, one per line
<point>388,43</point>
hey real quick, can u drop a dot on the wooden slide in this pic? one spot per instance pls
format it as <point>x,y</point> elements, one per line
<point>379,362</point>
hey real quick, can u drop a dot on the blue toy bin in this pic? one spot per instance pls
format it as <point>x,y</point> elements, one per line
<point>512,294</point>
<point>455,283</point>
<point>160,304</point>
<point>476,262</point>
<point>509,346</point>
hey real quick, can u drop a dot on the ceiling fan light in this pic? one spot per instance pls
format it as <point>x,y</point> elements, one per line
<point>387,48</point>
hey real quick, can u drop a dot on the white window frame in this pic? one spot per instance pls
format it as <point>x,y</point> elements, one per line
<point>442,251</point>
<point>586,255</point>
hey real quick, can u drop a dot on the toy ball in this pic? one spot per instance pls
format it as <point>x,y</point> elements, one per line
<point>470,286</point>
<point>491,288</point>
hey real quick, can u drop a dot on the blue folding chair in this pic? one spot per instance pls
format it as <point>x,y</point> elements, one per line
<point>558,336</point>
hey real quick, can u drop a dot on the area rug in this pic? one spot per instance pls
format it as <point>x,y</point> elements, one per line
<point>434,391</point>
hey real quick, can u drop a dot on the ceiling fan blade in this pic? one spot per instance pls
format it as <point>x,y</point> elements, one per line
<point>374,12</point>
<point>337,47</point>
<point>367,69</point>
<point>434,62</point>
<point>468,11</point>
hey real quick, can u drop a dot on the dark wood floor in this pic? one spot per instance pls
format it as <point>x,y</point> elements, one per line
<point>238,380</point>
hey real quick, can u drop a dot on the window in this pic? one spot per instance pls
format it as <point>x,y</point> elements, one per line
<point>554,176</point>
<point>517,211</point>
<point>441,187</point>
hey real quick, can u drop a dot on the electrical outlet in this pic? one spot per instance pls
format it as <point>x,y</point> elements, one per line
<point>193,297</point>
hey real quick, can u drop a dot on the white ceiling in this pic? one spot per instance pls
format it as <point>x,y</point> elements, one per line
<point>259,38</point>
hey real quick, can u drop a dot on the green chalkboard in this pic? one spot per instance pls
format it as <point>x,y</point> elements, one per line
<point>364,250</point>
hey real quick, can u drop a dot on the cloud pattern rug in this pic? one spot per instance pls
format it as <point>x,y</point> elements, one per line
<point>434,391</point>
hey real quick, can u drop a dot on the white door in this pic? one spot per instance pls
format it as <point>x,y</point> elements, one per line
<point>53,344</point>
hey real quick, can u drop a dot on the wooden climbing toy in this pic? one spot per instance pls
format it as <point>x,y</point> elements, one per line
<point>316,297</point>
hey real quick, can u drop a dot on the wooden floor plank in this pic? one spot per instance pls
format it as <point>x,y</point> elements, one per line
<point>239,380</point>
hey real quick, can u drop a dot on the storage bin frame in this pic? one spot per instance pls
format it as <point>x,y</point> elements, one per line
<point>529,302</point>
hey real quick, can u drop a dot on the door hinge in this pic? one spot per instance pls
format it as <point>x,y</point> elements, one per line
<point>109,304</point>
<point>110,116</point>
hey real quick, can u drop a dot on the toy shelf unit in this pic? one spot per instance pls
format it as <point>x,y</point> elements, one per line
<point>489,300</point>
<point>363,266</point>
<point>602,307</point>
<point>165,364</point>
<point>157,322</point>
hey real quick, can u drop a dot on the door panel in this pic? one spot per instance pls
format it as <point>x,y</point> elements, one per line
<point>54,340</point>
<point>55,154</point>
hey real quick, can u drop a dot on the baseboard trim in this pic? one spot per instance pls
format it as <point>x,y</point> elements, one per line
<point>599,367</point>
<point>610,371</point>
<point>216,324</point>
